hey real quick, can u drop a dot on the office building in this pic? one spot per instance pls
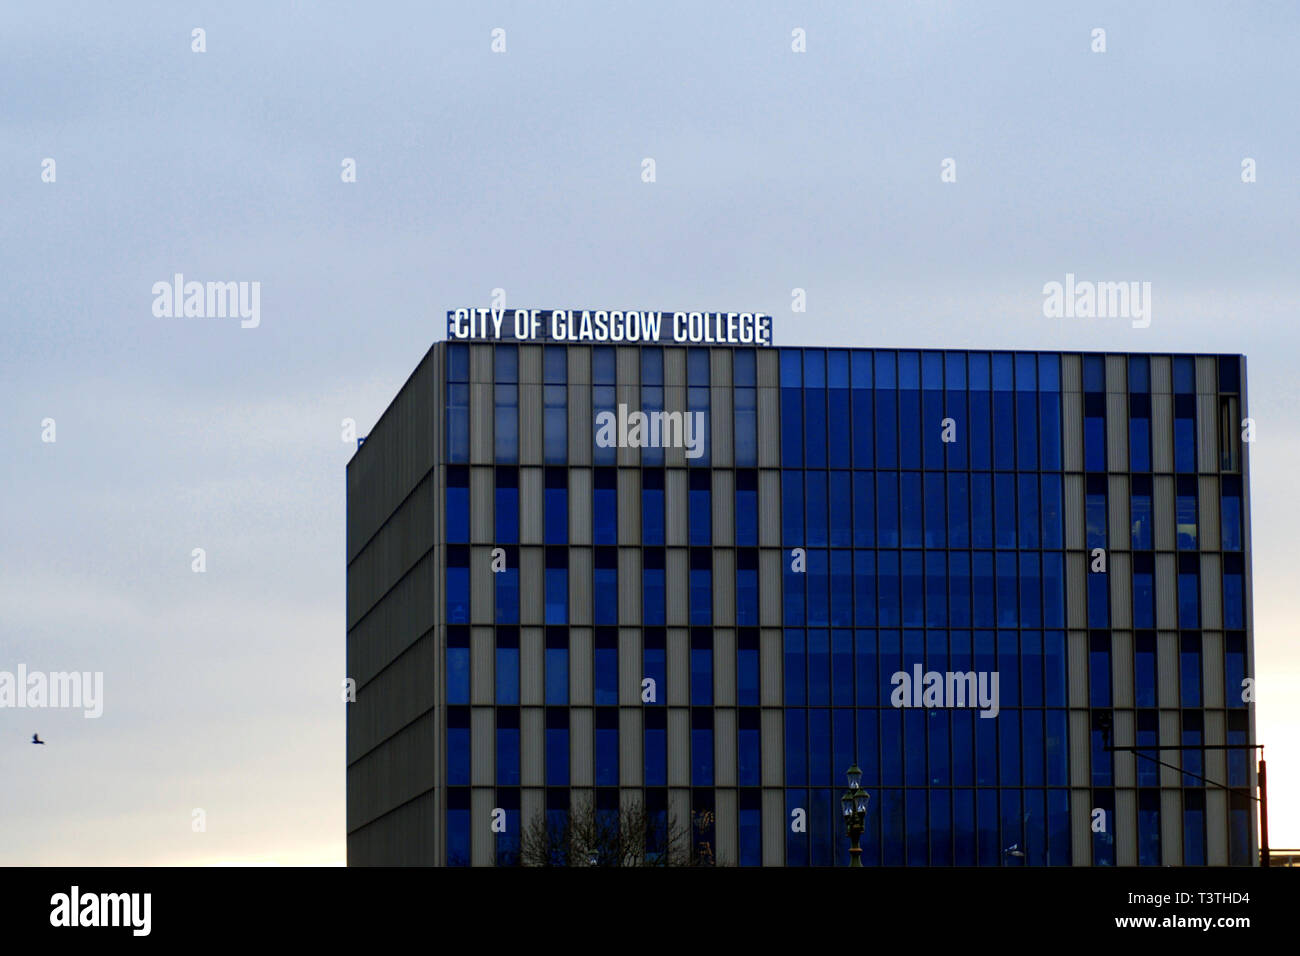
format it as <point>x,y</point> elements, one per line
<point>536,618</point>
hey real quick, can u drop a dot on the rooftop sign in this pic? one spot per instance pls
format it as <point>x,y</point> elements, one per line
<point>600,325</point>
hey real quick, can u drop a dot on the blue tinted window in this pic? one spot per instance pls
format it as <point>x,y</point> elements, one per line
<point>653,587</point>
<point>1193,827</point>
<point>1186,513</point>
<point>1144,611</point>
<point>796,746</point>
<point>555,365</point>
<point>1099,669</point>
<point>700,509</point>
<point>652,367</point>
<point>792,535</point>
<point>701,586</point>
<point>982,583</point>
<point>1094,432</point>
<point>935,510</point>
<point>557,747</point>
<point>458,423</point>
<point>746,509</point>
<point>981,496</point>
<point>887,581</point>
<point>652,507</point>
<point>1051,511</point>
<point>886,424</point>
<point>1189,661</point>
<point>697,366</point>
<point>605,589</point>
<point>458,827</point>
<point>819,667</point>
<point>606,747</point>
<point>795,669</point>
<point>839,428</point>
<point>457,585</point>
<point>557,586</point>
<point>1189,592</point>
<point>555,427</point>
<point>887,518</point>
<point>815,427</point>
<point>1194,760</point>
<point>458,752</point>
<point>747,587</point>
<point>1139,433</point>
<point>457,665</point>
<point>557,666</point>
<point>457,505</point>
<point>864,587</point>
<point>863,422</point>
<point>959,588</point>
<point>1053,589</point>
<point>791,368</point>
<point>458,363</point>
<point>507,423</point>
<point>556,506</point>
<point>1144,669</point>
<point>743,363</point>
<point>507,589</point>
<point>1185,433</point>
<point>1229,374</point>
<point>1030,514</point>
<point>604,507</point>
<point>1140,512</point>
<point>1230,511</point>
<point>791,424</point>
<point>507,506</point>
<point>606,667</point>
<point>506,360</point>
<point>1234,592</point>
<point>864,509</point>
<point>746,436</point>
<point>751,829</point>
<point>816,503</point>
<point>1148,827</point>
<point>1005,510</point>
<point>602,365</point>
<point>981,422</point>
<point>841,587</point>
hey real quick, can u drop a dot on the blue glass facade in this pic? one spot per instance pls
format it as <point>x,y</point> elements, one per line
<point>1075,524</point>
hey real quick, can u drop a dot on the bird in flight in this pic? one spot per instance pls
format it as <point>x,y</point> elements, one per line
<point>36,739</point>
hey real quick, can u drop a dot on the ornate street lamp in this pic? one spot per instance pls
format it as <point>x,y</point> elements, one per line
<point>854,806</point>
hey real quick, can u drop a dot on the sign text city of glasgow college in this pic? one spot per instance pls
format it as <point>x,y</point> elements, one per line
<point>600,325</point>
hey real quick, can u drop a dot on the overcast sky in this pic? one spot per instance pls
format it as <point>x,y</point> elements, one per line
<point>521,170</point>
